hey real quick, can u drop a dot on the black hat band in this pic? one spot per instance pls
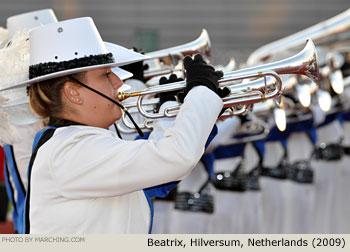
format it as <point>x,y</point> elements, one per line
<point>43,69</point>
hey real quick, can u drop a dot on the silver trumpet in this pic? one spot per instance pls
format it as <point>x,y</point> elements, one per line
<point>332,37</point>
<point>164,61</point>
<point>332,34</point>
<point>267,85</point>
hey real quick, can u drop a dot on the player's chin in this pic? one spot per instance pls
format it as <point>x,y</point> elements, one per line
<point>117,113</point>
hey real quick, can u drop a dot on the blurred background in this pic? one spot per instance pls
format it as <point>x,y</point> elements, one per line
<point>235,27</point>
<point>305,191</point>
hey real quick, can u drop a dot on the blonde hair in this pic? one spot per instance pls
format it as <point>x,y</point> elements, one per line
<point>46,97</point>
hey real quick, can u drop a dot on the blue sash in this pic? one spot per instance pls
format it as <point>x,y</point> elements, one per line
<point>16,191</point>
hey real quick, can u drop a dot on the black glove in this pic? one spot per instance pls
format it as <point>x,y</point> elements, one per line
<point>167,96</point>
<point>136,68</point>
<point>199,73</point>
<point>244,118</point>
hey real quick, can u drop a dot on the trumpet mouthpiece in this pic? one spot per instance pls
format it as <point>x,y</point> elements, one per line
<point>124,95</point>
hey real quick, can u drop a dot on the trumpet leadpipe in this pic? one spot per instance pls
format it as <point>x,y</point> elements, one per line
<point>227,80</point>
<point>175,86</point>
<point>125,95</point>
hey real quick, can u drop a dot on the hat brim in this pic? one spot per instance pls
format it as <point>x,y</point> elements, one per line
<point>124,88</point>
<point>122,56</point>
<point>121,73</point>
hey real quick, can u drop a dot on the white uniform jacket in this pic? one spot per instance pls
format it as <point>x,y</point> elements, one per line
<point>86,180</point>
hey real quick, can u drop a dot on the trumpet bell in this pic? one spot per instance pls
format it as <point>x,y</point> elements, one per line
<point>303,63</point>
<point>164,61</point>
<point>328,34</point>
<point>200,45</point>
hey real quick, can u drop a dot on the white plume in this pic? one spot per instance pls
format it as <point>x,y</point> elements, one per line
<point>3,36</point>
<point>8,132</point>
<point>14,62</point>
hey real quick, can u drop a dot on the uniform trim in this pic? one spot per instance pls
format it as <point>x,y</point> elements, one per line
<point>152,211</point>
<point>46,135</point>
<point>15,187</point>
<point>10,191</point>
<point>16,170</point>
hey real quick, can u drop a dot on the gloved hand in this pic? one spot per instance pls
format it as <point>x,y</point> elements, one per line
<point>244,118</point>
<point>167,96</point>
<point>199,73</point>
<point>136,68</point>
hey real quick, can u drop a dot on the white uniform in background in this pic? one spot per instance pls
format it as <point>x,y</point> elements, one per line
<point>228,214</point>
<point>227,218</point>
<point>189,222</point>
<point>273,191</point>
<point>325,183</point>
<point>252,201</point>
<point>343,203</point>
<point>299,197</point>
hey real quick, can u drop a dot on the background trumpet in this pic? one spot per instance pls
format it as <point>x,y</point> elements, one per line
<point>169,60</point>
<point>330,34</point>
<point>268,84</point>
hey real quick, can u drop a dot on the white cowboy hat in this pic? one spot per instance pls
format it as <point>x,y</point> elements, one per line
<point>34,19</point>
<point>25,21</point>
<point>15,61</point>
<point>68,47</point>
<point>29,20</point>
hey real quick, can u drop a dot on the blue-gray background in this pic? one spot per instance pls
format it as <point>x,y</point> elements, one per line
<point>236,27</point>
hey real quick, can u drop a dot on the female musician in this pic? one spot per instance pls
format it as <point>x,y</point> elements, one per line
<point>82,177</point>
